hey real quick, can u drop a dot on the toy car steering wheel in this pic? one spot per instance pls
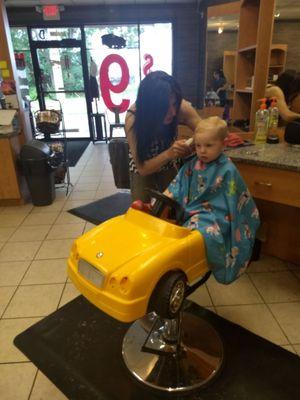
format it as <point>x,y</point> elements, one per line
<point>163,201</point>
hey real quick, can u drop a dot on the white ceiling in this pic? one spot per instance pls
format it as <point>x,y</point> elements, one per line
<point>289,9</point>
<point>30,3</point>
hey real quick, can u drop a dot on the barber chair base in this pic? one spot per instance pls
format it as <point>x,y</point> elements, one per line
<point>193,362</point>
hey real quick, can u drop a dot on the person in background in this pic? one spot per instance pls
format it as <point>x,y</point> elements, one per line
<point>217,202</point>
<point>220,86</point>
<point>287,92</point>
<point>151,131</point>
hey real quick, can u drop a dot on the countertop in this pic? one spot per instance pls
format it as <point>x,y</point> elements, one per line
<point>8,135</point>
<point>281,155</point>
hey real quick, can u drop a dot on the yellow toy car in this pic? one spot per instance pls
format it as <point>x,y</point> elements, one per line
<point>136,263</point>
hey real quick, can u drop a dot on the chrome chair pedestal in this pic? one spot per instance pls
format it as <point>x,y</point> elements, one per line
<point>173,356</point>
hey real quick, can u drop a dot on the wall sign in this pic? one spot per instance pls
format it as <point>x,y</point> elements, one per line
<point>148,64</point>
<point>107,86</point>
<point>51,12</point>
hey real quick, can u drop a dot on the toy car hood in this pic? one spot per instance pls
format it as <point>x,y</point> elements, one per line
<point>121,239</point>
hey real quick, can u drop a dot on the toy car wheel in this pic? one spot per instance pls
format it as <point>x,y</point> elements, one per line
<point>169,294</point>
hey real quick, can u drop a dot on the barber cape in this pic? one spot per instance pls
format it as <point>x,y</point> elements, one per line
<point>218,204</point>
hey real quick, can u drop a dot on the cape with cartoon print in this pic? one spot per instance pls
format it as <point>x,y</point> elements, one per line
<point>219,205</point>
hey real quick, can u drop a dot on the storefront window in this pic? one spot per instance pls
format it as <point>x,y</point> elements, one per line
<point>119,56</point>
<point>160,51</point>
<point>25,69</point>
<point>115,51</point>
<point>123,56</point>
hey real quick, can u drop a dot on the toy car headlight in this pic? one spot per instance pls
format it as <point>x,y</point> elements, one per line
<point>123,284</point>
<point>90,273</point>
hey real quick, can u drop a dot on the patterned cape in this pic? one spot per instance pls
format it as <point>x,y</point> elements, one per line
<point>219,205</point>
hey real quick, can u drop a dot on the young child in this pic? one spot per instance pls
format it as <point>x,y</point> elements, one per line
<point>217,202</point>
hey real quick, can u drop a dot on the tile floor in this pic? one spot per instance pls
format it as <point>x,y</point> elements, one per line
<point>34,245</point>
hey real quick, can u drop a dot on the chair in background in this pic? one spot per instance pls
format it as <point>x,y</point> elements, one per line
<point>116,124</point>
<point>99,122</point>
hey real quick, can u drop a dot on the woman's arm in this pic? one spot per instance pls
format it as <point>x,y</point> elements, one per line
<point>177,149</point>
<point>295,104</point>
<point>188,115</point>
<point>285,113</point>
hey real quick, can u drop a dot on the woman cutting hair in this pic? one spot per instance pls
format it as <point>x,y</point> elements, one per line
<point>151,130</point>
<point>287,92</point>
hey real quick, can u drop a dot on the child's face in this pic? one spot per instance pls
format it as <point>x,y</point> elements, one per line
<point>208,146</point>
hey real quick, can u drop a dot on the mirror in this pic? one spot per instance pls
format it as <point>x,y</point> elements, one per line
<point>221,44</point>
<point>222,34</point>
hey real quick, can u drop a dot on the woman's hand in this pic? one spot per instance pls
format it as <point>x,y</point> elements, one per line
<point>179,149</point>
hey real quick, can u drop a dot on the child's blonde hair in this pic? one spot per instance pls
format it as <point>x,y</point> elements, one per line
<point>213,124</point>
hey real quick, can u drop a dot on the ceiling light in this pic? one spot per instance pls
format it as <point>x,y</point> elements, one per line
<point>220,30</point>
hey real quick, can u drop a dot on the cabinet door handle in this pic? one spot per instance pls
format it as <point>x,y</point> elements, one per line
<point>262,183</point>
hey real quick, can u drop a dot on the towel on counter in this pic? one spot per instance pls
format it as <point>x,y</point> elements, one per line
<point>233,140</point>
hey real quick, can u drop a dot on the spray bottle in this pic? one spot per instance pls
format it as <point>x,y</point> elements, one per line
<point>261,123</point>
<point>273,122</point>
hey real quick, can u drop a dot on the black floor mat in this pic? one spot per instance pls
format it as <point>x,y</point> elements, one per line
<point>78,348</point>
<point>103,209</point>
<point>75,149</point>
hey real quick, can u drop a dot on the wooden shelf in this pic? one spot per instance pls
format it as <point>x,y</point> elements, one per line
<point>254,55</point>
<point>249,91</point>
<point>279,47</point>
<point>247,49</point>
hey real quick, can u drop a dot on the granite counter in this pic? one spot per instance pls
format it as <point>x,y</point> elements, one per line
<point>280,156</point>
<point>10,134</point>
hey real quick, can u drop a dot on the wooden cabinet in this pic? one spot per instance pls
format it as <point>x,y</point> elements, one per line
<point>277,195</point>
<point>276,185</point>
<point>252,57</point>
<point>13,188</point>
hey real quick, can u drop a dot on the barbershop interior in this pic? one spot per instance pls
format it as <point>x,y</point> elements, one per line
<point>150,233</point>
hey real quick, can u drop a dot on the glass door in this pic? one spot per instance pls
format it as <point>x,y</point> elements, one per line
<point>61,73</point>
<point>61,78</point>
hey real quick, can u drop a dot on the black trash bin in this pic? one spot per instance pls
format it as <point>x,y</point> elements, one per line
<point>36,162</point>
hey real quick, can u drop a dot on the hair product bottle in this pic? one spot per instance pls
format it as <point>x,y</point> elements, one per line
<point>261,123</point>
<point>273,122</point>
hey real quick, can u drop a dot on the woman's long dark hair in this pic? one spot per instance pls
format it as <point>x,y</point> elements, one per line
<point>152,104</point>
<point>286,81</point>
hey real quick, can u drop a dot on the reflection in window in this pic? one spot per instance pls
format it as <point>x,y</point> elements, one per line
<point>98,52</point>
<point>160,50</point>
<point>25,69</point>
<point>55,33</point>
<point>140,54</point>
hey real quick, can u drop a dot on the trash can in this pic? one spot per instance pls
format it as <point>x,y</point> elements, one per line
<point>35,160</point>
